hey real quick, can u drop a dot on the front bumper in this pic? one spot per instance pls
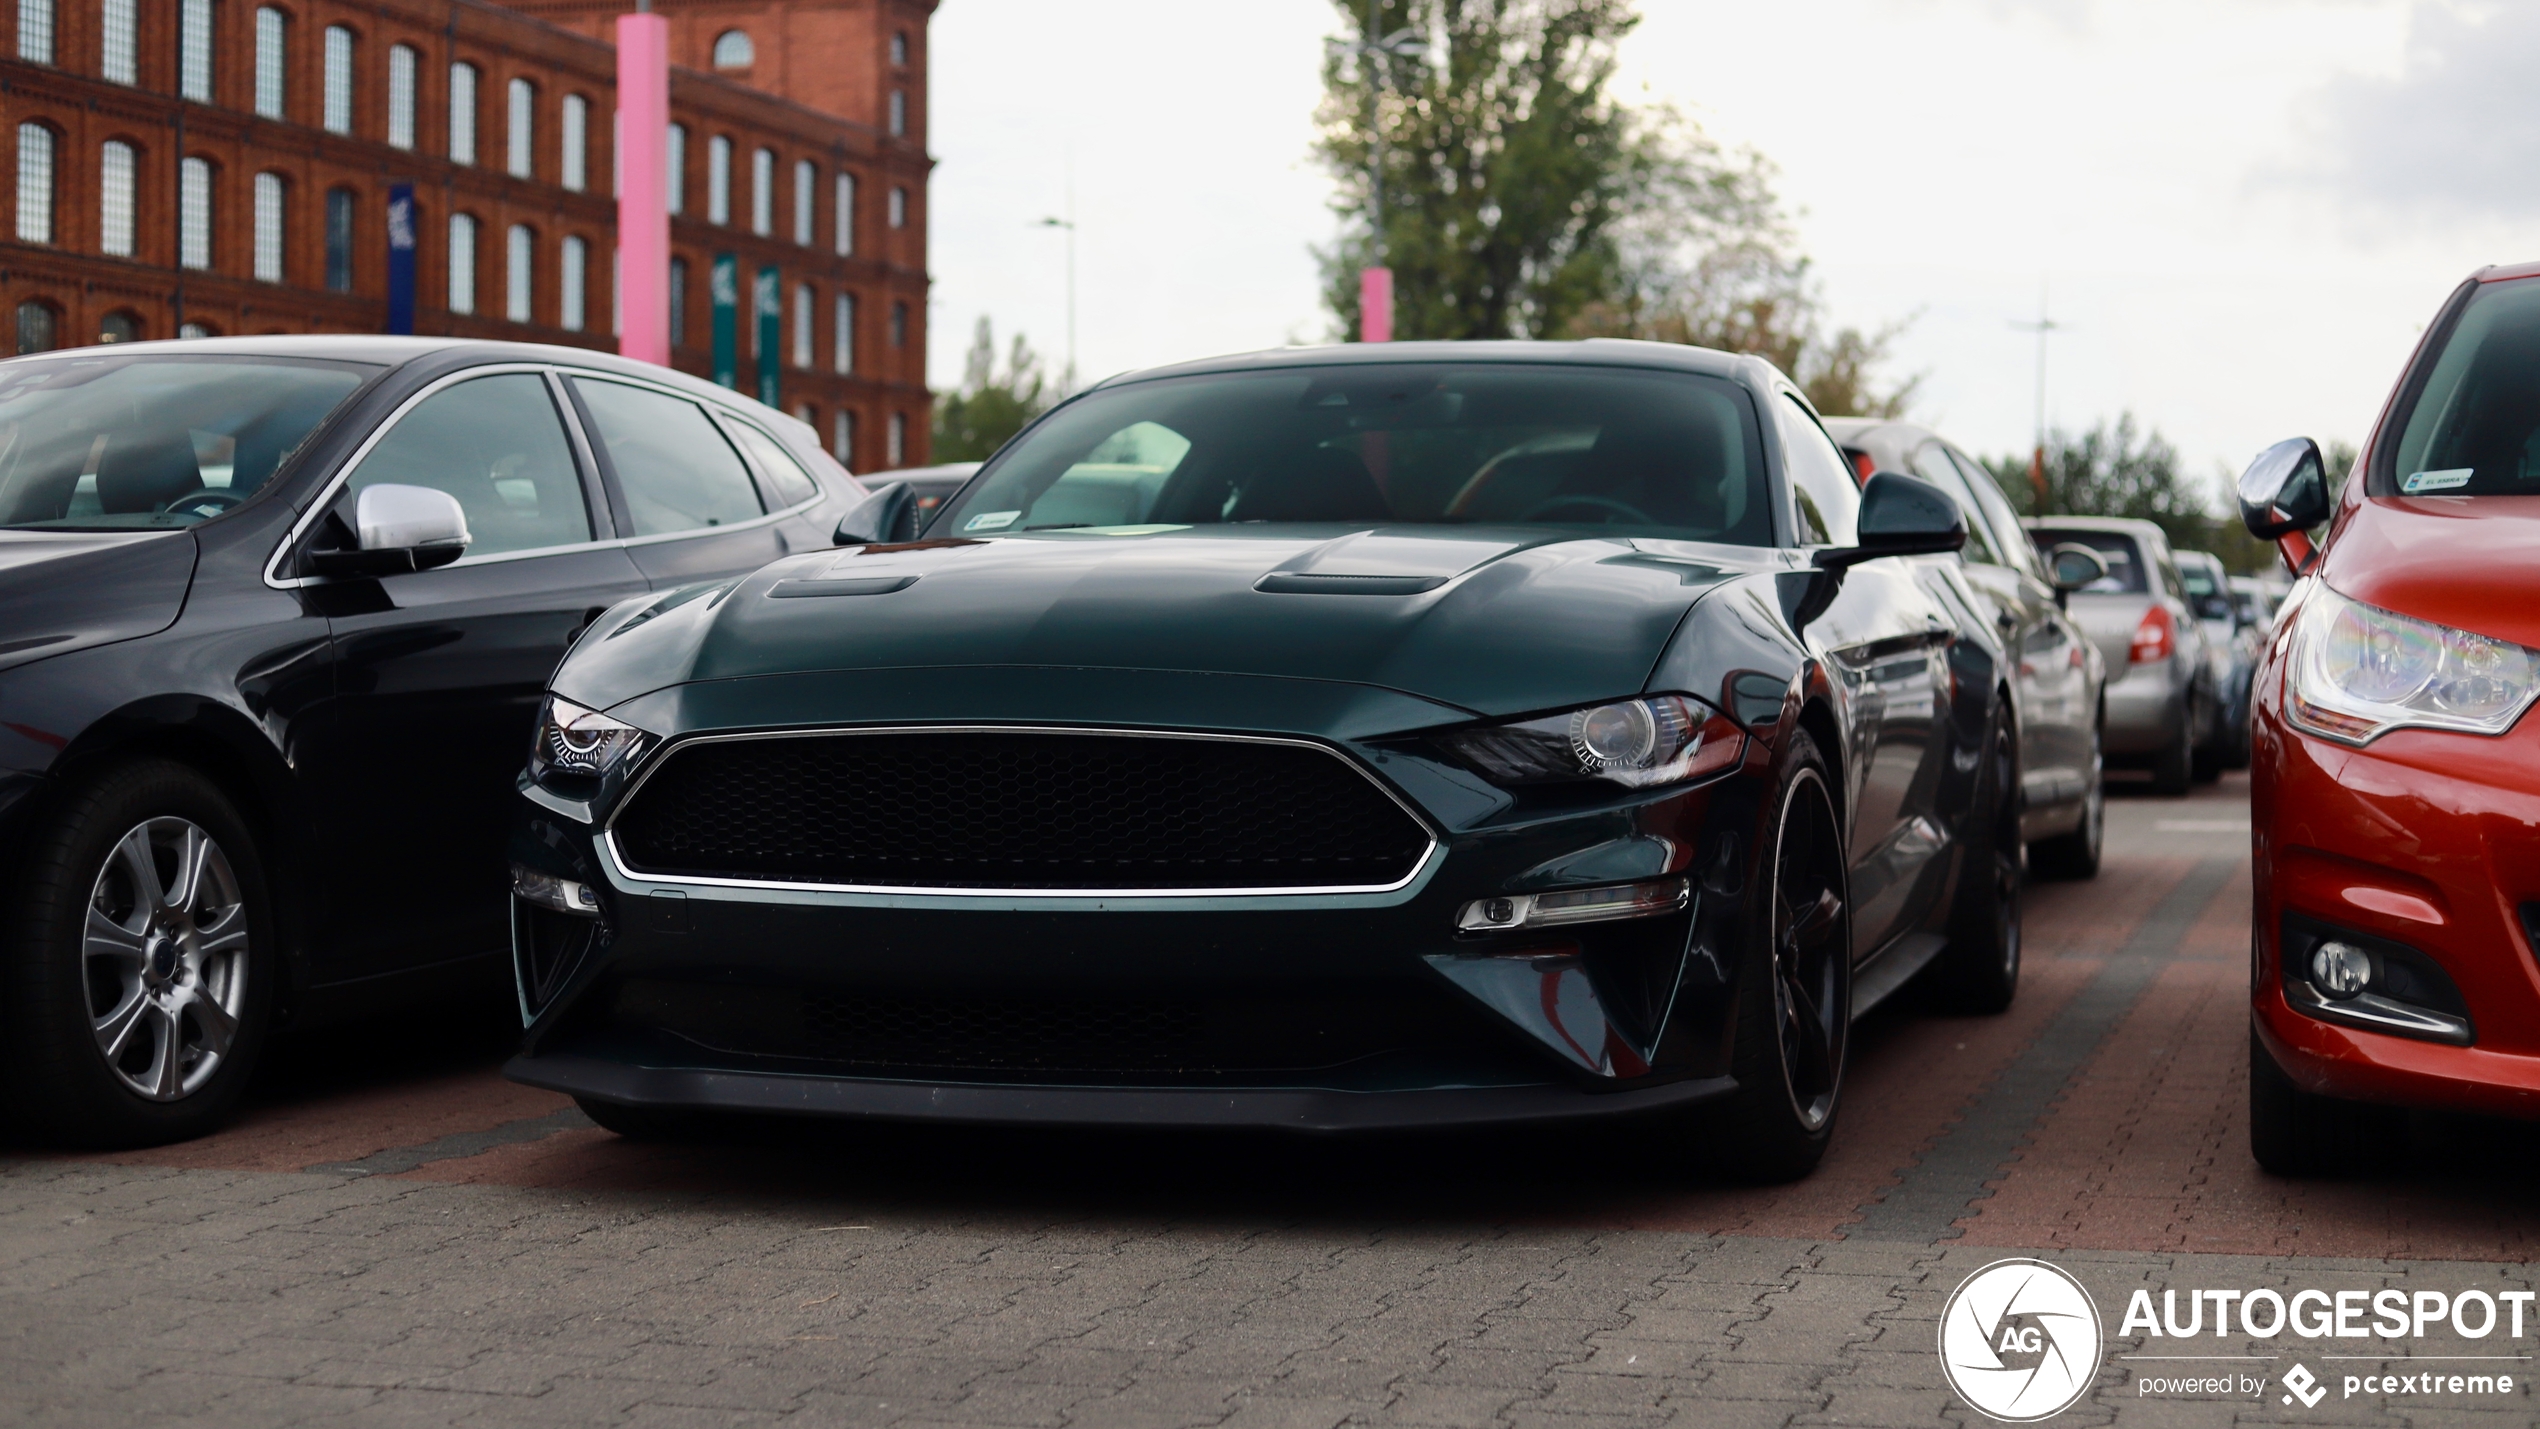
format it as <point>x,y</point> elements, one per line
<point>1313,1011</point>
<point>2426,840</point>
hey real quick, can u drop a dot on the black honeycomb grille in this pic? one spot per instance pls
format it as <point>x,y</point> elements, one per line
<point>1018,810</point>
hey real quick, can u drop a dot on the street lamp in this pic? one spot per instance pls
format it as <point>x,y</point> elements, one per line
<point>1070,225</point>
<point>1375,283</point>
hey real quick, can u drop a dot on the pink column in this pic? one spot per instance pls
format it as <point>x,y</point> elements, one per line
<point>643,200</point>
<point>1375,305</point>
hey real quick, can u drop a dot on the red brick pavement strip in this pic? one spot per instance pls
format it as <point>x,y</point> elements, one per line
<point>352,1125</point>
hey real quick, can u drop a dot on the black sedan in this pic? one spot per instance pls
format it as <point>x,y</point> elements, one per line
<point>1346,738</point>
<point>275,616</point>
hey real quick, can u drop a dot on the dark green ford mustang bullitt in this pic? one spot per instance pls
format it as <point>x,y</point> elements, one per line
<point>1344,738</point>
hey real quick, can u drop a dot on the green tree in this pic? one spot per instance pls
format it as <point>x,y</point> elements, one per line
<point>2114,469</point>
<point>1521,200</point>
<point>992,405</point>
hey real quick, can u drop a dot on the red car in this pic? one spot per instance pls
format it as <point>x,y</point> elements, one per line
<point>2396,782</point>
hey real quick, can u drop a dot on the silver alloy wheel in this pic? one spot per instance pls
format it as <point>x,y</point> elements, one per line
<point>164,958</point>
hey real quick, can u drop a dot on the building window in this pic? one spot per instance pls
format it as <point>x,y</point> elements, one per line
<point>678,302</point>
<point>520,251</point>
<point>617,292</point>
<point>269,32</point>
<point>35,327</point>
<point>114,199</point>
<point>899,111</point>
<point>718,180</point>
<point>519,129</point>
<point>462,263</point>
<point>337,106</point>
<point>806,199</point>
<point>804,299</point>
<point>899,48</point>
<point>117,48</point>
<point>462,113</point>
<point>576,159</point>
<point>844,238</point>
<point>895,454</point>
<point>899,324</point>
<point>194,213</point>
<point>675,152</point>
<point>339,240</point>
<point>194,51</point>
<point>190,331</point>
<point>119,326</point>
<point>401,96</point>
<point>269,228</point>
<point>570,264</point>
<point>842,437</point>
<point>35,44</point>
<point>763,192</point>
<point>35,184</point>
<point>899,208</point>
<point>842,334</point>
<point>732,50</point>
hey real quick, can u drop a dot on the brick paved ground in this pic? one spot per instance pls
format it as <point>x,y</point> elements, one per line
<point>394,1235</point>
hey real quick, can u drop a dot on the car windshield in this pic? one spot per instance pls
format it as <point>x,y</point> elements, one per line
<point>115,442</point>
<point>2473,427</point>
<point>2125,565</point>
<point>1614,449</point>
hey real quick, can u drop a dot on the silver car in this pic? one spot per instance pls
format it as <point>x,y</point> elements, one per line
<point>2055,694</point>
<point>2233,642</point>
<point>2163,704</point>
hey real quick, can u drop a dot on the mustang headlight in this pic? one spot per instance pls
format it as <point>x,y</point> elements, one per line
<point>580,743</point>
<point>1662,739</point>
<point>2358,671</point>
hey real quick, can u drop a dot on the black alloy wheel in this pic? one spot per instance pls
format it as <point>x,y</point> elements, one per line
<point>2076,854</point>
<point>2297,1133</point>
<point>1980,970</point>
<point>140,971</point>
<point>1794,1019</point>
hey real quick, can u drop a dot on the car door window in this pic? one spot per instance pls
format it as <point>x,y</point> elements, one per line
<point>1826,501</point>
<point>2009,537</point>
<point>497,444</point>
<point>673,465</point>
<point>788,484</point>
<point>1932,464</point>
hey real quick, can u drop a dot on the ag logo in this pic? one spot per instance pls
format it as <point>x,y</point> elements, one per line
<point>2020,1341</point>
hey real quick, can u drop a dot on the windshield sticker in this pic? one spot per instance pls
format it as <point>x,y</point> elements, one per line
<point>990,521</point>
<point>2425,481</point>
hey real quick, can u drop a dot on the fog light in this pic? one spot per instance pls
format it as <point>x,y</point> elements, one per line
<point>548,891</point>
<point>2341,969</point>
<point>1583,905</point>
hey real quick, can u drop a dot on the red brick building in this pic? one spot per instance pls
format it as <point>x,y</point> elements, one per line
<point>224,166</point>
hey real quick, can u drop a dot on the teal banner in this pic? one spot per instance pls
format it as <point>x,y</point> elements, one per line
<point>769,300</point>
<point>725,288</point>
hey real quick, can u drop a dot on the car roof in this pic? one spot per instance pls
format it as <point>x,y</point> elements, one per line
<point>961,469</point>
<point>1589,352</point>
<point>387,351</point>
<point>2121,525</point>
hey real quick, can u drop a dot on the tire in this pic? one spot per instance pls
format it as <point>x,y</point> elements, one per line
<point>2297,1133</point>
<point>643,1123</point>
<point>1979,971</point>
<point>2076,855</point>
<point>139,981</point>
<point>1794,1006</point>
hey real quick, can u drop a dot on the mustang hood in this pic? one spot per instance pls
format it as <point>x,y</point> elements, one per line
<point>1496,621</point>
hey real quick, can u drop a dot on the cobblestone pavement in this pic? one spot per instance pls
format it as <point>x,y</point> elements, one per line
<point>395,1235</point>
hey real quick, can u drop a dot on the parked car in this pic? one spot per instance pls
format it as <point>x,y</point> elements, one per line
<point>1367,737</point>
<point>2398,893</point>
<point>2058,672</point>
<point>2232,642</point>
<point>2256,602</point>
<point>929,487</point>
<point>2163,707</point>
<point>275,619</point>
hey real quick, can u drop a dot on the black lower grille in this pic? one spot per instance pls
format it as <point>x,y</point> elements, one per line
<point>1018,810</point>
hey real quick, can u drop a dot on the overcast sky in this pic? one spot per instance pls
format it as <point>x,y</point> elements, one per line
<point>2243,211</point>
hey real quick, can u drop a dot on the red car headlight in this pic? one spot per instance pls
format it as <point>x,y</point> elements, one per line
<point>2357,671</point>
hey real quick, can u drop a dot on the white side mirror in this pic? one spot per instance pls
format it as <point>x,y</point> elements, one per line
<point>410,518</point>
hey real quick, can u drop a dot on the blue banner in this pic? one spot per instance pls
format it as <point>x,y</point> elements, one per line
<point>401,258</point>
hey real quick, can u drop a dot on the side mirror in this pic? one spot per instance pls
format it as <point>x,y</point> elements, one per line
<point>887,514</point>
<point>2075,566</point>
<point>399,529</point>
<point>2284,494</point>
<point>1900,516</point>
